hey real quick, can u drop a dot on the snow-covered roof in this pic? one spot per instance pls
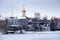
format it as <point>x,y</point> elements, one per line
<point>12,25</point>
<point>22,17</point>
<point>12,18</point>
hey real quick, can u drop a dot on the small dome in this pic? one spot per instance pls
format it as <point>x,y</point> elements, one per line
<point>23,10</point>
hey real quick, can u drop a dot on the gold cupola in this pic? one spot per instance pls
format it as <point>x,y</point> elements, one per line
<point>23,10</point>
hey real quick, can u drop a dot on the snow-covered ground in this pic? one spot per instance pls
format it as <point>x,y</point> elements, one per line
<point>32,36</point>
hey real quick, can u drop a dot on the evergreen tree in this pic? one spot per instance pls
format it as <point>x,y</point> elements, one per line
<point>52,25</point>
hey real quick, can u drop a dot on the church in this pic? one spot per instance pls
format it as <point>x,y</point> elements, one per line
<point>26,23</point>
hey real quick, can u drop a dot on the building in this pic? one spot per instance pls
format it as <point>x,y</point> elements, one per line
<point>26,23</point>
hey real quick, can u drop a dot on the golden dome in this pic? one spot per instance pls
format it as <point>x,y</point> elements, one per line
<point>23,10</point>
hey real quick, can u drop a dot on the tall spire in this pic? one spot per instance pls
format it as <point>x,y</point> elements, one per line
<point>12,11</point>
<point>0,15</point>
<point>23,10</point>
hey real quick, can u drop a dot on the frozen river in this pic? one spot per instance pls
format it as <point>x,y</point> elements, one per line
<point>32,36</point>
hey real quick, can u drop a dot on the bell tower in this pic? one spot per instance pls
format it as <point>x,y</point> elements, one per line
<point>23,11</point>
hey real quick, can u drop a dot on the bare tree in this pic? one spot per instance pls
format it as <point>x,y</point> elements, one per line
<point>21,27</point>
<point>3,24</point>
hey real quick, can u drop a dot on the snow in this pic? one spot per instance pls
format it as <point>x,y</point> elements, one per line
<point>22,17</point>
<point>13,25</point>
<point>2,18</point>
<point>32,36</point>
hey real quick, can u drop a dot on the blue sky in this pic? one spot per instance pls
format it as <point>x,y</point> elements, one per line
<point>44,7</point>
